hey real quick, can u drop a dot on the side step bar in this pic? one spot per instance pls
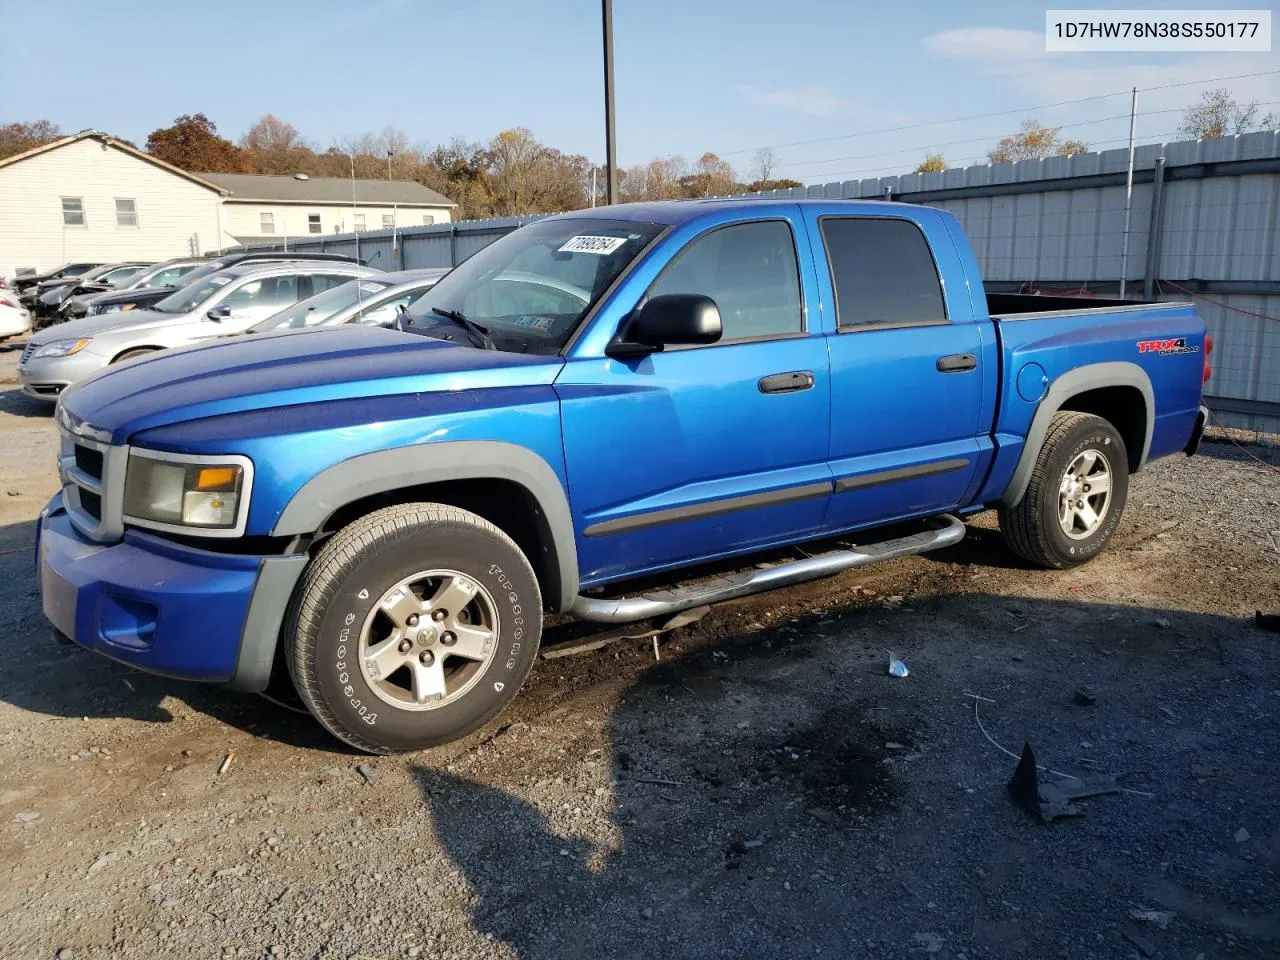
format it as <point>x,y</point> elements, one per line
<point>664,602</point>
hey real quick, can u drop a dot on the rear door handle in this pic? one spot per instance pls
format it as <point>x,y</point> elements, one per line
<point>957,363</point>
<point>792,382</point>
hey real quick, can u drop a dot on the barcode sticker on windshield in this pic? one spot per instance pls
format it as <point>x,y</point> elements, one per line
<point>369,287</point>
<point>219,281</point>
<point>601,245</point>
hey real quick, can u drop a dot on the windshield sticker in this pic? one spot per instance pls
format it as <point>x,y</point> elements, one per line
<point>372,287</point>
<point>541,324</point>
<point>599,245</point>
<point>219,281</point>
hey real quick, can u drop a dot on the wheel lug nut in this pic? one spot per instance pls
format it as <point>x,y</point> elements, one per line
<point>438,615</point>
<point>413,620</point>
<point>405,646</point>
<point>427,658</point>
<point>448,639</point>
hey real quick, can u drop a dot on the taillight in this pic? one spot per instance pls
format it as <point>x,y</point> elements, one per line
<point>1208,349</point>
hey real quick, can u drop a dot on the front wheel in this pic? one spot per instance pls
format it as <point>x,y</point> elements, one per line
<point>1076,495</point>
<point>414,626</point>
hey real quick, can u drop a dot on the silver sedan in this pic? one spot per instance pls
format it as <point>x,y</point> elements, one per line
<point>369,300</point>
<point>229,301</point>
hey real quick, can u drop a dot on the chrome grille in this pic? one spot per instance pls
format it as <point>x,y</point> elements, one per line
<point>27,351</point>
<point>93,484</point>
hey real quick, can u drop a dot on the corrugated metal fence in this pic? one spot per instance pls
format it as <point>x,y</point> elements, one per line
<point>1204,223</point>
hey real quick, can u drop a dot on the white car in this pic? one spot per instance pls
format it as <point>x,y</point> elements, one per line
<point>14,317</point>
<point>229,301</point>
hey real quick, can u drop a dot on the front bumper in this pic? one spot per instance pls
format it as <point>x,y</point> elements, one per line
<point>46,377</point>
<point>162,607</point>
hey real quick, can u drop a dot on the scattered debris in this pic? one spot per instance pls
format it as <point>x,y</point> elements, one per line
<point>14,493</point>
<point>27,816</point>
<point>1161,918</point>
<point>238,871</point>
<point>897,668</point>
<point>1166,711</point>
<point>1266,621</point>
<point>1085,696</point>
<point>226,762</point>
<point>1145,946</point>
<point>661,783</point>
<point>753,842</point>
<point>1050,800</point>
<point>1162,623</point>
<point>366,771</point>
<point>1242,835</point>
<point>656,655</point>
<point>103,861</point>
<point>187,752</point>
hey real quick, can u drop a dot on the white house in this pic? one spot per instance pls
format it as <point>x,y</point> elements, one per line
<point>90,196</point>
<point>260,208</point>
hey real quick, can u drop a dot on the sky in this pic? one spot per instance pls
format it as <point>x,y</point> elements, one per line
<point>828,83</point>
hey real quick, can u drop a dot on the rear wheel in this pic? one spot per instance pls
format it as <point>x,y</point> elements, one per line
<point>414,626</point>
<point>1076,495</point>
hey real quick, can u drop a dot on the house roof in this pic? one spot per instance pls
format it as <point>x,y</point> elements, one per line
<point>121,145</point>
<point>288,189</point>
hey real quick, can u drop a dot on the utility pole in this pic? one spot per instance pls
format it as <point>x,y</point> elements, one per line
<point>389,155</point>
<point>1128,194</point>
<point>353,203</point>
<point>610,144</point>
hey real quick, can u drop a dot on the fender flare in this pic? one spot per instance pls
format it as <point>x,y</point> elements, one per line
<point>1093,376</point>
<point>384,471</point>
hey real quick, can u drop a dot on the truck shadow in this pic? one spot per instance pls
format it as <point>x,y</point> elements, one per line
<point>13,401</point>
<point>780,796</point>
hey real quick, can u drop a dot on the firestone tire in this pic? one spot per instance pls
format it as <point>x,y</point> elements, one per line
<point>368,636</point>
<point>1080,454</point>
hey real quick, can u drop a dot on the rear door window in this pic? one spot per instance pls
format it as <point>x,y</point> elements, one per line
<point>883,273</point>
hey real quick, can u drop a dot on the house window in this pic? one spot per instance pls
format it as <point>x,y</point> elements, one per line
<point>388,221</point>
<point>313,223</point>
<point>359,217</point>
<point>428,219</point>
<point>126,212</point>
<point>268,221</point>
<point>73,212</point>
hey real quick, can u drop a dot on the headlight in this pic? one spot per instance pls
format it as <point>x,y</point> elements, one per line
<point>61,348</point>
<point>209,493</point>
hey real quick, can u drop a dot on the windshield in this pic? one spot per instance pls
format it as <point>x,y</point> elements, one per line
<point>320,307</point>
<point>118,274</point>
<point>531,288</point>
<point>190,296</point>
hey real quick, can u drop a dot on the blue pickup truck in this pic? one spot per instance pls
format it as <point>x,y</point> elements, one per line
<point>631,391</point>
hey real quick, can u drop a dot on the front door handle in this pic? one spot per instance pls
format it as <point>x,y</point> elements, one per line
<point>792,382</point>
<point>957,363</point>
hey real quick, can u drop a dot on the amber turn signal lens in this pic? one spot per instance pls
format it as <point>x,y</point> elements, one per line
<point>215,478</point>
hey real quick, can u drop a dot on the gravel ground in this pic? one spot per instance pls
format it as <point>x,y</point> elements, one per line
<point>763,790</point>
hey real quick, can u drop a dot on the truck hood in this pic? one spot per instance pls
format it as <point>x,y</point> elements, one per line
<point>280,370</point>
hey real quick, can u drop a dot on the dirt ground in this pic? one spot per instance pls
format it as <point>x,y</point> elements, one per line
<point>763,790</point>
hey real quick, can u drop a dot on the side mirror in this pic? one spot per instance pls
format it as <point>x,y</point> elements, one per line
<point>219,313</point>
<point>668,320</point>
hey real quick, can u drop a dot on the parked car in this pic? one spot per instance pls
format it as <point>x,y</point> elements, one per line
<point>164,274</point>
<point>632,391</point>
<point>141,299</point>
<point>31,293</point>
<point>51,294</point>
<point>228,301</point>
<point>15,319</point>
<point>75,269</point>
<point>376,300</point>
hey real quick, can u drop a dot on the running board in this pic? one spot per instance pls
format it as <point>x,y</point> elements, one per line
<point>664,602</point>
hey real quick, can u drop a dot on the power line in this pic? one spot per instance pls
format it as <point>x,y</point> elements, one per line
<point>999,113</point>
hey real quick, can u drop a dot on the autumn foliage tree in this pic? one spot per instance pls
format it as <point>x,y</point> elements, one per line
<point>192,143</point>
<point>1034,141</point>
<point>20,137</point>
<point>933,163</point>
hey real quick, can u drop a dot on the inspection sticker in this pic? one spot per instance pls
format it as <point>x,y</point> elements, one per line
<point>601,245</point>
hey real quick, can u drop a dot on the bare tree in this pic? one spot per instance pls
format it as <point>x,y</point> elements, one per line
<point>1218,114</point>
<point>765,163</point>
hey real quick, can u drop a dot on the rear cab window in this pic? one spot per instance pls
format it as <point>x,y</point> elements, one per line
<point>883,273</point>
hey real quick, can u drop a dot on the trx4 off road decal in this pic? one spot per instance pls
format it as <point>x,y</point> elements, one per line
<point>1167,348</point>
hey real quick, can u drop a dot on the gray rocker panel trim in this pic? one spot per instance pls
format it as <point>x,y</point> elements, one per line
<point>386,470</point>
<point>1094,376</point>
<point>270,602</point>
